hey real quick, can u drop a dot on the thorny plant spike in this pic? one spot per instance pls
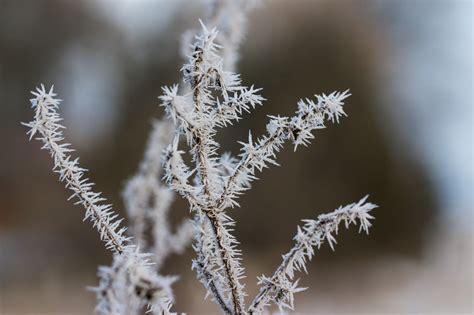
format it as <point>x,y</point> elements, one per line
<point>212,98</point>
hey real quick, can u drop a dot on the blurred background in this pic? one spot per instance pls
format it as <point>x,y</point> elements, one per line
<point>408,142</point>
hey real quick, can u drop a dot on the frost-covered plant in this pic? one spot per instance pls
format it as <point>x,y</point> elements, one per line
<point>216,98</point>
<point>131,269</point>
<point>212,97</point>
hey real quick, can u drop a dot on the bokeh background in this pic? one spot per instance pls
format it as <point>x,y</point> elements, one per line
<point>408,142</point>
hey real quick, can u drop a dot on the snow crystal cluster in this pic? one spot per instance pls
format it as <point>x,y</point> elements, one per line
<point>211,97</point>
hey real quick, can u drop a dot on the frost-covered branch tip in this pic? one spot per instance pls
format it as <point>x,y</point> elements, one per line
<point>281,287</point>
<point>47,128</point>
<point>230,18</point>
<point>258,154</point>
